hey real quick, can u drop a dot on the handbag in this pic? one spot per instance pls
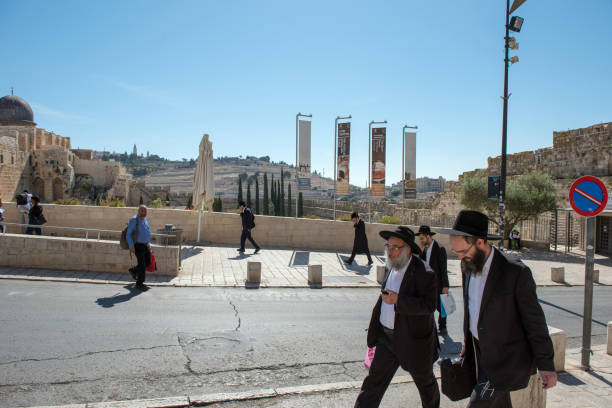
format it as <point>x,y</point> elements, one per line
<point>458,379</point>
<point>152,267</point>
<point>369,357</point>
<point>448,301</point>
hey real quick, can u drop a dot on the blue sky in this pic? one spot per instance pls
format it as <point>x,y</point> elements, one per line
<point>111,74</point>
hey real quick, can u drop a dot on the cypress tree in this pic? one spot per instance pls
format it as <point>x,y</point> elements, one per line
<point>288,199</point>
<point>278,203</point>
<point>240,198</point>
<point>248,200</point>
<point>257,195</point>
<point>141,202</point>
<point>300,205</point>
<point>273,194</point>
<point>282,193</point>
<point>266,200</point>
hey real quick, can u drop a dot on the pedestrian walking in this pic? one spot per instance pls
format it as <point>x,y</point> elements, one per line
<point>248,223</point>
<point>360,245</point>
<point>505,333</point>
<point>35,216</point>
<point>402,326</point>
<point>434,255</point>
<point>23,209</point>
<point>138,237</point>
<point>1,217</point>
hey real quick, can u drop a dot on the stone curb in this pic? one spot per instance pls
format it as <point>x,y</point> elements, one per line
<point>208,399</point>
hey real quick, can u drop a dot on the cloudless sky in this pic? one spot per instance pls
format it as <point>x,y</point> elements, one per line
<point>158,74</point>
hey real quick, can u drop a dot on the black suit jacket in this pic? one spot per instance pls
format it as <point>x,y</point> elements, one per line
<point>415,337</point>
<point>248,219</point>
<point>438,264</point>
<point>512,331</point>
<point>361,239</point>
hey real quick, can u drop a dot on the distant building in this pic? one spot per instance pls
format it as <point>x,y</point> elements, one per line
<point>430,185</point>
<point>135,151</point>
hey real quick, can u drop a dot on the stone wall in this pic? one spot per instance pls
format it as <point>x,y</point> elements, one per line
<point>75,254</point>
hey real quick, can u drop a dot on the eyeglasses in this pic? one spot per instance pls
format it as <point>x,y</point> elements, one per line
<point>463,251</point>
<point>393,247</point>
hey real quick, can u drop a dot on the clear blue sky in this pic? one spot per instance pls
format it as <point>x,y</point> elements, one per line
<point>159,74</point>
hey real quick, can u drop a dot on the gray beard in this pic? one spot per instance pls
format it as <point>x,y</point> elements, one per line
<point>399,263</point>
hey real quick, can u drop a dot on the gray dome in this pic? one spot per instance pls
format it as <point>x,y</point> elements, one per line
<point>14,108</point>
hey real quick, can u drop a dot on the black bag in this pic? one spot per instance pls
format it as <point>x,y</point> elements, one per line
<point>41,219</point>
<point>458,379</point>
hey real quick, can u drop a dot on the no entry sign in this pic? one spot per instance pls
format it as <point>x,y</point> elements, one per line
<point>588,196</point>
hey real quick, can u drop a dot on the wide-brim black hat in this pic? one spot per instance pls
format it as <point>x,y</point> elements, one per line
<point>405,234</point>
<point>470,223</point>
<point>424,229</point>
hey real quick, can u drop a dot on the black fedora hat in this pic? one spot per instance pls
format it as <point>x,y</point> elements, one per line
<point>405,234</point>
<point>354,215</point>
<point>425,230</point>
<point>472,224</point>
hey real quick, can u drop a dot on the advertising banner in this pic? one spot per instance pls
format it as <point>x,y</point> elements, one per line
<point>304,149</point>
<point>410,190</point>
<point>344,150</point>
<point>379,145</point>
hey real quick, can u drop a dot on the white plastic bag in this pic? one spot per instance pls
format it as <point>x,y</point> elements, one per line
<point>448,301</point>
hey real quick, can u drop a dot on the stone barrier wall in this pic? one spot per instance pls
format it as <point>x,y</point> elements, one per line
<point>217,228</point>
<point>75,254</point>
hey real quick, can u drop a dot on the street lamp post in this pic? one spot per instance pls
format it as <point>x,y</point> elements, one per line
<point>370,166</point>
<point>297,165</point>
<point>404,168</point>
<point>336,156</point>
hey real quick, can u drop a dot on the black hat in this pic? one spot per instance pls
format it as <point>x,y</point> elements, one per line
<point>405,234</point>
<point>241,203</point>
<point>354,215</point>
<point>472,224</point>
<point>425,230</point>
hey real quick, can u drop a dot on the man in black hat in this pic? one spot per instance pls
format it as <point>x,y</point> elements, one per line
<point>360,245</point>
<point>402,326</point>
<point>505,333</point>
<point>434,255</point>
<point>248,223</point>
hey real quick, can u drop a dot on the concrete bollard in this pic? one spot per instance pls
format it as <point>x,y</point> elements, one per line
<point>596,276</point>
<point>609,338</point>
<point>557,274</point>
<point>380,273</point>
<point>558,338</point>
<point>253,272</point>
<point>315,274</point>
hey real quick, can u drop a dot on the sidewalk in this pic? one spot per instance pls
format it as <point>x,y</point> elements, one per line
<point>575,389</point>
<point>223,266</point>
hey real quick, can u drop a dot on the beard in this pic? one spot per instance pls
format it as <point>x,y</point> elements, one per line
<point>474,267</point>
<point>399,263</point>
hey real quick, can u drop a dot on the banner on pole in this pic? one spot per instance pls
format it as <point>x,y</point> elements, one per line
<point>379,145</point>
<point>303,183</point>
<point>304,150</point>
<point>410,191</point>
<point>344,151</point>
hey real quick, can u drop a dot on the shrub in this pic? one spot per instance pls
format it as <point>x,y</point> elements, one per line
<point>68,201</point>
<point>157,203</point>
<point>115,202</point>
<point>345,217</point>
<point>389,219</point>
<point>312,217</point>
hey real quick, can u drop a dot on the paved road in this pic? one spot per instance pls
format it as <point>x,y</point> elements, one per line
<point>67,342</point>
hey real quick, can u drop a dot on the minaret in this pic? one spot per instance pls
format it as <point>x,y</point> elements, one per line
<point>135,151</point>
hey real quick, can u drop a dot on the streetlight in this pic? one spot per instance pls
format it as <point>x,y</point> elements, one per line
<point>515,25</point>
<point>370,165</point>
<point>297,165</point>
<point>336,156</point>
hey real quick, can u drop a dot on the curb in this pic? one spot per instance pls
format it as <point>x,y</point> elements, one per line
<point>209,399</point>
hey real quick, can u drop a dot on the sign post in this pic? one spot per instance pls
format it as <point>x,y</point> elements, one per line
<point>588,197</point>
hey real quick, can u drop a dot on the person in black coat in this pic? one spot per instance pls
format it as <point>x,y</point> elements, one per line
<point>360,245</point>
<point>505,333</point>
<point>434,255</point>
<point>248,223</point>
<point>402,326</point>
<point>35,216</point>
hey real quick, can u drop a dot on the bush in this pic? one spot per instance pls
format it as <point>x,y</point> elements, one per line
<point>115,202</point>
<point>68,201</point>
<point>389,219</point>
<point>312,217</point>
<point>345,217</point>
<point>157,203</point>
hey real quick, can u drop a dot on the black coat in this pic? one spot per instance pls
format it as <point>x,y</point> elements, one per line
<point>361,240</point>
<point>438,264</point>
<point>248,219</point>
<point>415,337</point>
<point>512,331</point>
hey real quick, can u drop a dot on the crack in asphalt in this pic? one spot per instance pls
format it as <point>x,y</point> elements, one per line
<point>89,353</point>
<point>183,345</point>
<point>235,313</point>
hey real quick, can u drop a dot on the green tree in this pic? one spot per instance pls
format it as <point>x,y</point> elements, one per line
<point>282,194</point>
<point>527,196</point>
<point>257,196</point>
<point>273,194</point>
<point>271,209</point>
<point>300,205</point>
<point>167,199</point>
<point>240,198</point>
<point>141,201</point>
<point>288,199</point>
<point>266,200</point>
<point>189,202</point>
<point>279,204</point>
<point>248,200</point>
<point>217,204</point>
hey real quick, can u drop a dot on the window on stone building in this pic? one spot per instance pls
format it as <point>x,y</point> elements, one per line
<point>12,159</point>
<point>1,158</point>
<point>538,160</point>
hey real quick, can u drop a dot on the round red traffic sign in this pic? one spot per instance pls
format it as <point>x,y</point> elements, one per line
<point>588,196</point>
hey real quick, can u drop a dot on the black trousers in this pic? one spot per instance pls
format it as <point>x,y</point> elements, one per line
<point>381,373</point>
<point>246,234</point>
<point>484,394</point>
<point>143,256</point>
<point>367,252</point>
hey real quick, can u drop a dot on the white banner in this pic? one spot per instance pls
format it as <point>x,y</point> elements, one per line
<point>304,149</point>
<point>410,165</point>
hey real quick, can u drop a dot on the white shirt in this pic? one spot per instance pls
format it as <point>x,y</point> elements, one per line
<point>387,311</point>
<point>475,292</point>
<point>429,252</point>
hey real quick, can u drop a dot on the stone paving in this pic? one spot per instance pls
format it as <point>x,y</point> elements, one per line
<point>223,266</point>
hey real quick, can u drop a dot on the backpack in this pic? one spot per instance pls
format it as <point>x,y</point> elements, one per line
<point>123,240</point>
<point>22,199</point>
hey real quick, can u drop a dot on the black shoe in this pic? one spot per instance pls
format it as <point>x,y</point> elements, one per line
<point>133,273</point>
<point>240,250</point>
<point>142,287</point>
<point>257,251</point>
<point>346,261</point>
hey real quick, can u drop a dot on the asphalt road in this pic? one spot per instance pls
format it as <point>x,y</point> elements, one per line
<point>66,343</point>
